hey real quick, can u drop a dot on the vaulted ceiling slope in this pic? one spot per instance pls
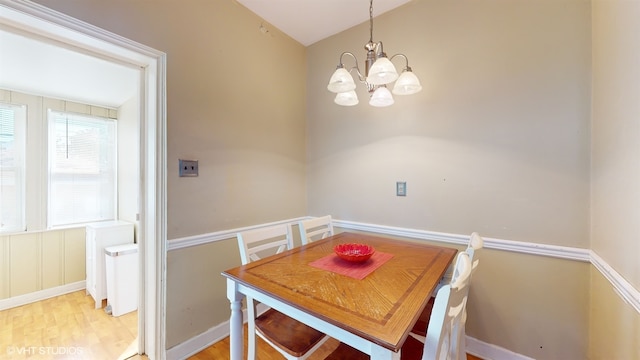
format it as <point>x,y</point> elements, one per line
<point>309,21</point>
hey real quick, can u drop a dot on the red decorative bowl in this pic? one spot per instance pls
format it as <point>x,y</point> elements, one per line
<point>354,252</point>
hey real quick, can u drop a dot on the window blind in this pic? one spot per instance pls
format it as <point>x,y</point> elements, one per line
<point>82,169</point>
<point>12,165</point>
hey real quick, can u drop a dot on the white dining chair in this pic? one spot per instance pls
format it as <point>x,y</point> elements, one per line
<point>291,338</point>
<point>443,332</point>
<point>315,229</point>
<point>473,246</point>
<point>476,242</point>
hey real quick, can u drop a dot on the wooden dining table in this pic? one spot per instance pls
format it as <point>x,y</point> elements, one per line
<point>370,306</point>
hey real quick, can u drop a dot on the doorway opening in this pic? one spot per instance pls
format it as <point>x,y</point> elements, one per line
<point>35,21</point>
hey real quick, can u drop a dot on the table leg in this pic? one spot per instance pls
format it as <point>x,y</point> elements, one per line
<point>235,322</point>
<point>380,353</point>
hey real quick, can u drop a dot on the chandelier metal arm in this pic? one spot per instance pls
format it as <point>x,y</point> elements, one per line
<point>406,61</point>
<point>378,73</point>
<point>361,78</point>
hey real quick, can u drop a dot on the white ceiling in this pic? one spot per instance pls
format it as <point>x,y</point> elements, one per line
<point>39,67</point>
<point>309,21</point>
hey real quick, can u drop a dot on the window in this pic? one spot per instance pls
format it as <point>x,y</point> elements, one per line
<point>82,169</point>
<point>58,167</point>
<point>12,165</point>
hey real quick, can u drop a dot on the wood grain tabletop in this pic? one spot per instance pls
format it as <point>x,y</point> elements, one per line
<point>381,308</point>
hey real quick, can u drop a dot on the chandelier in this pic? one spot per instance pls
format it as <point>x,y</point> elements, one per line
<point>378,73</point>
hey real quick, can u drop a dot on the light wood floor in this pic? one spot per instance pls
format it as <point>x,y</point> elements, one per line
<point>69,327</point>
<point>66,327</point>
<point>220,351</point>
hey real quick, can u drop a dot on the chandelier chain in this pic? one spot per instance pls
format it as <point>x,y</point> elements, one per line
<point>371,21</point>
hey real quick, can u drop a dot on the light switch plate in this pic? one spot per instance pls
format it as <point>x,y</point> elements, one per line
<point>401,188</point>
<point>188,167</point>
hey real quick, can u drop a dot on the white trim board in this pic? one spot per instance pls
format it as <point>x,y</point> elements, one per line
<point>622,287</point>
<point>202,239</point>
<point>562,252</point>
<point>474,346</point>
<point>627,292</point>
<point>20,300</point>
<point>555,251</point>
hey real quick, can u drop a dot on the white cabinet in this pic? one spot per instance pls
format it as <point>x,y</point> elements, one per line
<point>98,236</point>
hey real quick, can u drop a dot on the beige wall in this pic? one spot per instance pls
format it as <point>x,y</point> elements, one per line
<point>616,136</point>
<point>497,142</point>
<point>615,326</point>
<point>236,103</point>
<point>199,301</point>
<point>514,297</point>
<point>533,305</point>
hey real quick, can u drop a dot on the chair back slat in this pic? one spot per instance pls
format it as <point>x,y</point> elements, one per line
<point>272,326</point>
<point>475,244</point>
<point>315,229</point>
<point>445,329</point>
<point>253,244</point>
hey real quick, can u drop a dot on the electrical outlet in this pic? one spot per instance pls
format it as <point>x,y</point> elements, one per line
<point>188,167</point>
<point>401,188</point>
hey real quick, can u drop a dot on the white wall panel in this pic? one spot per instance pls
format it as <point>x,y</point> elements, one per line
<point>25,266</point>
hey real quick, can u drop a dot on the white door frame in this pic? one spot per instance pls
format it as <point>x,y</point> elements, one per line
<point>72,33</point>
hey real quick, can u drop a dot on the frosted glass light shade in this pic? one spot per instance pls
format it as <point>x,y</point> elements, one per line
<point>407,84</point>
<point>348,98</point>
<point>381,97</point>
<point>382,72</point>
<point>341,81</point>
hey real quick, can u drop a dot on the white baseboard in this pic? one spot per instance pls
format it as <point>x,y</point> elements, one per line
<point>40,295</point>
<point>198,342</point>
<point>213,335</point>
<point>488,351</point>
<point>205,339</point>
